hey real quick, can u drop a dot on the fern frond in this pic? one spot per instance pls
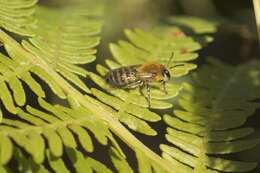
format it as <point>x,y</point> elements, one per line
<point>53,55</point>
<point>19,69</point>
<point>61,127</point>
<point>120,162</point>
<point>33,122</point>
<point>27,164</point>
<point>131,115</point>
<point>157,45</point>
<point>81,164</point>
<point>17,16</point>
<point>61,51</point>
<point>196,24</point>
<point>209,124</point>
<point>145,46</point>
<point>68,39</point>
<point>84,164</point>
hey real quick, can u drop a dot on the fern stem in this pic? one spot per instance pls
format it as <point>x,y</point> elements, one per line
<point>256,4</point>
<point>87,102</point>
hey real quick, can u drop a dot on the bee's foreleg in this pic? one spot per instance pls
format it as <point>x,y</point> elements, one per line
<point>164,87</point>
<point>148,88</point>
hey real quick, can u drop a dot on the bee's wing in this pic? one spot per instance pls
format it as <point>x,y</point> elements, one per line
<point>135,84</point>
<point>131,80</point>
<point>146,76</point>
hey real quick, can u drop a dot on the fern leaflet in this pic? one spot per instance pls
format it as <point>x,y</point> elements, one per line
<point>211,117</point>
<point>17,16</point>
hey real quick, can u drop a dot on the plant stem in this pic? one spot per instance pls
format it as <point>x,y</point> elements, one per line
<point>256,4</point>
<point>85,101</point>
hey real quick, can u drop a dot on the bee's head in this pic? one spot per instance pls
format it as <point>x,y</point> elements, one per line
<point>166,75</point>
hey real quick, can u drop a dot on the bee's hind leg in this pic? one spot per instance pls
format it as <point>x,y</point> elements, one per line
<point>164,87</point>
<point>148,88</point>
<point>148,96</point>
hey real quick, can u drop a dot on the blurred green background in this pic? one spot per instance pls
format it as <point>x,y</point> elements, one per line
<point>236,36</point>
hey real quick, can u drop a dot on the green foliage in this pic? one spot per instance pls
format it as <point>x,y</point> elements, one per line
<point>209,121</point>
<point>143,47</point>
<point>73,49</point>
<point>56,124</point>
<point>64,40</point>
<point>17,16</point>
<point>157,45</point>
<point>50,137</point>
<point>15,69</point>
<point>195,24</point>
<point>151,46</point>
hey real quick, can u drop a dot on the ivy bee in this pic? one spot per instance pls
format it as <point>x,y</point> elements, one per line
<point>142,75</point>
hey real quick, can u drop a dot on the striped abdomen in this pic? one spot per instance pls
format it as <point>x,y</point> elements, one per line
<point>124,77</point>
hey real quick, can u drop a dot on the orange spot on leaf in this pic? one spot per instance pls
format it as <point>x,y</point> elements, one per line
<point>177,34</point>
<point>183,50</point>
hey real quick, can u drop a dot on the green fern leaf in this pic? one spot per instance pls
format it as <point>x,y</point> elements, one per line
<point>154,46</point>
<point>17,69</point>
<point>120,162</point>
<point>84,164</point>
<point>211,116</point>
<point>27,164</point>
<point>72,47</point>
<point>126,112</point>
<point>196,24</point>
<point>56,127</point>
<point>4,170</point>
<point>6,149</point>
<point>144,47</point>
<point>62,43</point>
<point>145,165</point>
<point>17,16</point>
<point>56,163</point>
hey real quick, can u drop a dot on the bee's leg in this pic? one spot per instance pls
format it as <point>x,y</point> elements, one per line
<point>148,88</point>
<point>164,87</point>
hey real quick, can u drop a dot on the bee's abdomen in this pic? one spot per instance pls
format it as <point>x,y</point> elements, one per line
<point>124,77</point>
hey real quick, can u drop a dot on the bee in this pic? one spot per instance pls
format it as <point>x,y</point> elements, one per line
<point>142,75</point>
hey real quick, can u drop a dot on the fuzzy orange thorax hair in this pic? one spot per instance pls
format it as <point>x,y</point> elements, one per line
<point>154,68</point>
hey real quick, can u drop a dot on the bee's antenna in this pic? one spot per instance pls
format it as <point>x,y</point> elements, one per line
<point>170,59</point>
<point>169,62</point>
<point>177,65</point>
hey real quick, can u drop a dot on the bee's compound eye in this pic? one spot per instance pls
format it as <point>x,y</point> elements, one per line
<point>166,74</point>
